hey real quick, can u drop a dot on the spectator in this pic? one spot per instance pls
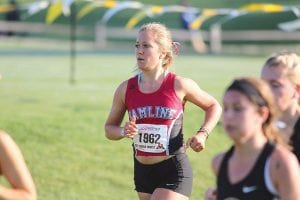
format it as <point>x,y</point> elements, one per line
<point>187,18</point>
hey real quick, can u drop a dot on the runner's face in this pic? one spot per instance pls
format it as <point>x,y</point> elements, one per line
<point>283,89</point>
<point>147,51</point>
<point>240,116</point>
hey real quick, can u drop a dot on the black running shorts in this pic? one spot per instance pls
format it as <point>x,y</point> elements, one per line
<point>174,174</point>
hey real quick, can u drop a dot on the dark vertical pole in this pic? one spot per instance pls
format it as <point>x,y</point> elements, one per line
<point>13,15</point>
<point>72,42</point>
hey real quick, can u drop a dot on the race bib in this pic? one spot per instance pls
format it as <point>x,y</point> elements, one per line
<point>151,138</point>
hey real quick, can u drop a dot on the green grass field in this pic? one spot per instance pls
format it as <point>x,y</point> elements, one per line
<point>59,127</point>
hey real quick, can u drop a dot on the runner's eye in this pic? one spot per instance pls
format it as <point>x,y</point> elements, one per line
<point>238,108</point>
<point>275,85</point>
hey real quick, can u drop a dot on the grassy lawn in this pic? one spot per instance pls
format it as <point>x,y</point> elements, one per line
<point>59,126</point>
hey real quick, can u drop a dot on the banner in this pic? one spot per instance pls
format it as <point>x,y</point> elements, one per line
<point>8,8</point>
<point>90,7</point>
<point>56,8</point>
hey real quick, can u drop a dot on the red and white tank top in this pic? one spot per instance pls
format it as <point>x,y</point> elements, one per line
<point>159,117</point>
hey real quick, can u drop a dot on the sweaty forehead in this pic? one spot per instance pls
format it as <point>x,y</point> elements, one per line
<point>273,73</point>
<point>145,36</point>
<point>234,96</point>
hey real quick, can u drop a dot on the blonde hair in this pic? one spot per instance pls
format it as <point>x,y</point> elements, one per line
<point>164,40</point>
<point>288,61</point>
<point>260,94</point>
